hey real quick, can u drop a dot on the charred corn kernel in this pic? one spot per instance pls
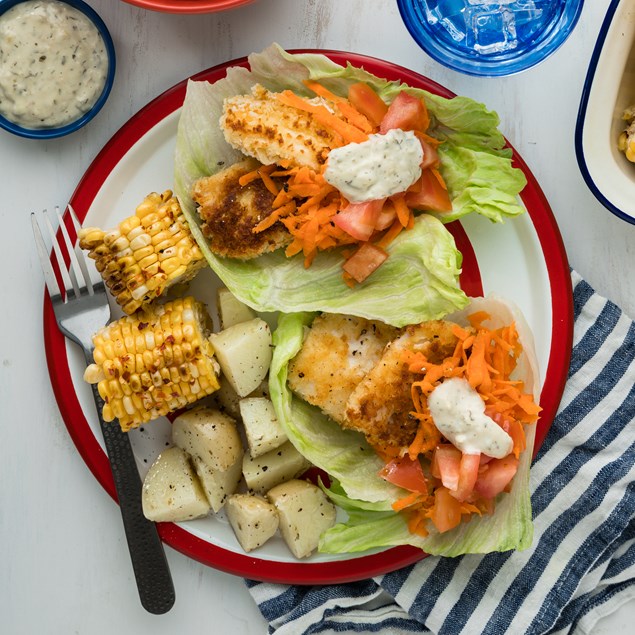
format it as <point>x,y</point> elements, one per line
<point>151,363</point>
<point>131,258</point>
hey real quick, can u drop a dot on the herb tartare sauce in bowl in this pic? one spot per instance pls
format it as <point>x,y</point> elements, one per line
<point>57,66</point>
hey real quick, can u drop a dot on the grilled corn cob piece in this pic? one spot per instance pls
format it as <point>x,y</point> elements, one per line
<point>154,362</point>
<point>146,253</point>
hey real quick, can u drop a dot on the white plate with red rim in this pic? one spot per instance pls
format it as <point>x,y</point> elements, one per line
<point>523,260</point>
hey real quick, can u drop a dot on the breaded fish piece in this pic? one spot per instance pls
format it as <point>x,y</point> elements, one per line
<point>230,211</point>
<point>337,353</point>
<point>262,127</point>
<point>380,405</point>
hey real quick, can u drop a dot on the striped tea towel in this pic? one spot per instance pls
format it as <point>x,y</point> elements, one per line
<point>581,565</point>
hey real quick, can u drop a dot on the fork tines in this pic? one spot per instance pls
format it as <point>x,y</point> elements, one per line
<point>70,266</point>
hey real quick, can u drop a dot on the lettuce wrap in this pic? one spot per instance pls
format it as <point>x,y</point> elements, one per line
<point>352,465</point>
<point>420,279</point>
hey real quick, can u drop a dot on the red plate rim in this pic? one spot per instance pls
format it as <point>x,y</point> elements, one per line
<point>338,571</point>
<point>189,6</point>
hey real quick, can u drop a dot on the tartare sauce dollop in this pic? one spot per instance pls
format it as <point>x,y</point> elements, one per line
<point>53,64</point>
<point>384,165</point>
<point>458,412</point>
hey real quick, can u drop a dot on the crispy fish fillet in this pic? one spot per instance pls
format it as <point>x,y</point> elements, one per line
<point>262,127</point>
<point>230,211</point>
<point>380,404</point>
<point>337,353</point>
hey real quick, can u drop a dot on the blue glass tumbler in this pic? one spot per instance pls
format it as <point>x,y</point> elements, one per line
<point>489,37</point>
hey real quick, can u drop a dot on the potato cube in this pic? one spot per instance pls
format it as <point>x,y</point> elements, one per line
<point>218,485</point>
<point>244,354</point>
<point>209,436</point>
<point>253,519</point>
<point>231,310</point>
<point>279,465</point>
<point>305,514</point>
<point>262,428</point>
<point>228,401</point>
<point>171,490</point>
<point>213,442</point>
<point>226,398</point>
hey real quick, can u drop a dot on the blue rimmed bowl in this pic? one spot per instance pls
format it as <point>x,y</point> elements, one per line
<point>492,39</point>
<point>82,120</point>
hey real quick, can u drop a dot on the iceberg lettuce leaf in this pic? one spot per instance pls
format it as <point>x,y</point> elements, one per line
<point>344,454</point>
<point>353,466</point>
<point>420,279</point>
<point>417,282</point>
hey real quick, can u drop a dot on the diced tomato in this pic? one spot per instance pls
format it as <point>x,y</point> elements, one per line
<point>446,463</point>
<point>386,217</point>
<point>364,261</point>
<point>468,473</point>
<point>406,473</point>
<point>359,219</point>
<point>405,112</point>
<point>494,477</point>
<point>428,194</point>
<point>446,511</point>
<point>458,472</point>
<point>430,156</point>
<point>368,102</point>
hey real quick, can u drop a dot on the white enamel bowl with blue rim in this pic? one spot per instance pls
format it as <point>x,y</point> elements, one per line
<point>608,90</point>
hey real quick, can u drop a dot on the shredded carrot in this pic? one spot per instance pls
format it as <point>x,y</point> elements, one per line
<point>485,358</point>
<point>348,111</point>
<point>322,91</point>
<point>403,211</point>
<point>306,204</point>
<point>426,116</point>
<point>274,217</point>
<point>348,132</point>
<point>426,439</point>
<point>393,231</point>
<point>438,177</point>
<point>434,142</point>
<point>258,173</point>
<point>406,501</point>
<point>416,525</point>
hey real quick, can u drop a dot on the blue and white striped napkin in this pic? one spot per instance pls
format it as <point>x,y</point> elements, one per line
<point>581,565</point>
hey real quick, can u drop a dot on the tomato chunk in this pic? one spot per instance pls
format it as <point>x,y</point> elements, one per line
<point>430,155</point>
<point>446,511</point>
<point>446,463</point>
<point>406,473</point>
<point>364,261</point>
<point>359,219</point>
<point>428,194</point>
<point>494,477</point>
<point>405,112</point>
<point>458,472</point>
<point>468,473</point>
<point>386,217</point>
<point>368,102</point>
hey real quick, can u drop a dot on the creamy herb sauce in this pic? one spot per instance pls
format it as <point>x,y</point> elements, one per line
<point>457,411</point>
<point>384,165</point>
<point>53,64</point>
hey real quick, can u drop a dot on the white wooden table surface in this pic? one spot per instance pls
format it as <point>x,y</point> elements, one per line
<point>63,565</point>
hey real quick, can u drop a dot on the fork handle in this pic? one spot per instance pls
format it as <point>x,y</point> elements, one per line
<point>154,581</point>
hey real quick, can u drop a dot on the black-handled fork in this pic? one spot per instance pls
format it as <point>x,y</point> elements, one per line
<point>80,311</point>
